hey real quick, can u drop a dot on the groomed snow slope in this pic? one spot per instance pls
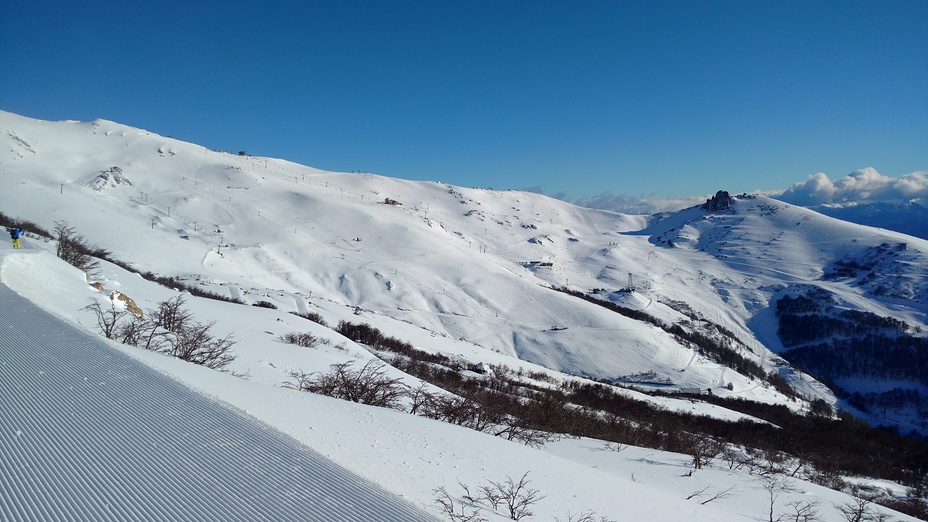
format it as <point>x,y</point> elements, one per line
<point>89,433</point>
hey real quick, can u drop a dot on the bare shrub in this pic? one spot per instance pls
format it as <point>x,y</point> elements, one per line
<point>168,329</point>
<point>312,316</point>
<point>74,250</point>
<point>107,320</point>
<point>528,436</point>
<point>171,316</point>
<point>369,385</point>
<point>517,497</point>
<point>704,497</point>
<point>803,511</point>
<point>703,448</point>
<point>860,511</point>
<point>586,516</point>
<point>306,340</point>
<point>456,512</point>
<point>196,344</point>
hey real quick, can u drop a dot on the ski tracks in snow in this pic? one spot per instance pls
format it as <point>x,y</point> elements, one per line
<point>89,433</point>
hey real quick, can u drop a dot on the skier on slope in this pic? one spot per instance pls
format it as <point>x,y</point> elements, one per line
<point>15,234</point>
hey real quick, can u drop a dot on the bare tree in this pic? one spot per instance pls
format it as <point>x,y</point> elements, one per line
<point>131,332</point>
<point>775,484</point>
<point>169,319</point>
<point>419,398</point>
<point>516,431</point>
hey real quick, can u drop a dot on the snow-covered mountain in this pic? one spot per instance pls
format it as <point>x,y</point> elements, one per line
<point>469,264</point>
<point>909,218</point>
<point>508,278</point>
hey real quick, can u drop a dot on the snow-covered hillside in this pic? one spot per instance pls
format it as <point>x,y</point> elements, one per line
<point>467,264</point>
<point>407,455</point>
<point>464,272</point>
<point>909,218</point>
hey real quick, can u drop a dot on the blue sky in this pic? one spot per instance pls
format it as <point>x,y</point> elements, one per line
<point>657,98</point>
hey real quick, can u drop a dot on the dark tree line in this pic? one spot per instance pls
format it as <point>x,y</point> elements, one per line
<point>715,349</point>
<point>870,357</point>
<point>804,320</point>
<point>833,344</point>
<point>511,405</point>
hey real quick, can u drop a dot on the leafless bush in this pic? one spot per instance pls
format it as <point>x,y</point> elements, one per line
<point>516,498</point>
<point>451,409</point>
<point>312,316</point>
<point>419,397</point>
<point>703,448</point>
<point>168,329</point>
<point>514,431</point>
<point>704,497</point>
<point>860,511</point>
<point>369,385</point>
<point>456,512</point>
<point>169,318</point>
<point>764,463</point>
<point>196,344</point>
<point>803,511</point>
<point>107,320</point>
<point>74,250</point>
<point>306,340</point>
<point>617,447</point>
<point>586,516</point>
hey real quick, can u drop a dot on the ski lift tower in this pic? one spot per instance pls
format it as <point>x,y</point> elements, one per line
<point>631,286</point>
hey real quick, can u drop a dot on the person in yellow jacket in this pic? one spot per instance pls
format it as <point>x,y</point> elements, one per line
<point>15,234</point>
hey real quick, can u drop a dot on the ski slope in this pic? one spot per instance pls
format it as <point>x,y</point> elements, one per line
<point>447,269</point>
<point>89,433</point>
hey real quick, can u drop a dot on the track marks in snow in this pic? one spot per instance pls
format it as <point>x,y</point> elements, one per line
<point>88,433</point>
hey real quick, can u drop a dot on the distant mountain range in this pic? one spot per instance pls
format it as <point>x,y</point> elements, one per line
<point>909,218</point>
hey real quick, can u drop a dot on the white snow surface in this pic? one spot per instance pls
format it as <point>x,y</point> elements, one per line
<point>446,269</point>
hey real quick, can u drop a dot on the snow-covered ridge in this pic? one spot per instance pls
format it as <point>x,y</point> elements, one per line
<point>467,264</point>
<point>455,270</point>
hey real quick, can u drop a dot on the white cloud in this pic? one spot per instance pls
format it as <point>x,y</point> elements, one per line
<point>862,186</point>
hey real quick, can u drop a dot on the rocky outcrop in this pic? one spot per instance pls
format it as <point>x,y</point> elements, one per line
<point>721,201</point>
<point>131,307</point>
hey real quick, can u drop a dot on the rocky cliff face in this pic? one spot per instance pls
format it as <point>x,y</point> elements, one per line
<point>721,201</point>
